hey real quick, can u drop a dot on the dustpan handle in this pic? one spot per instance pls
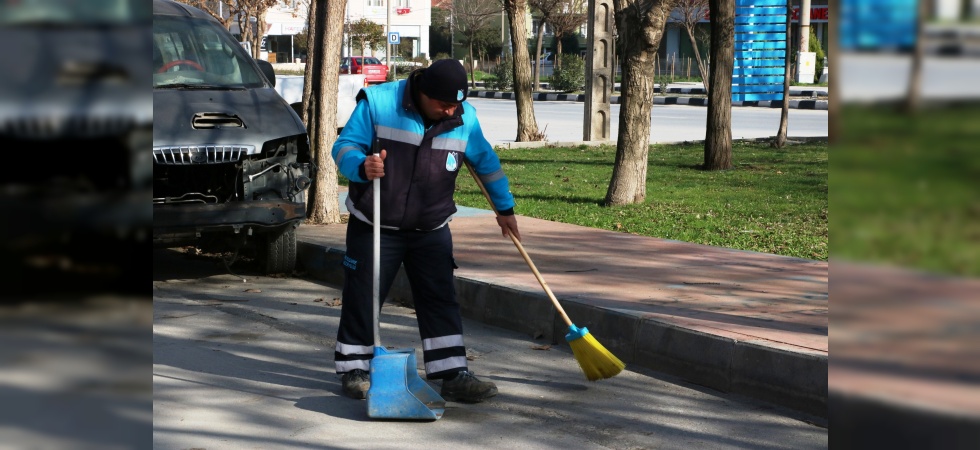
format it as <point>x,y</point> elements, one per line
<point>376,259</point>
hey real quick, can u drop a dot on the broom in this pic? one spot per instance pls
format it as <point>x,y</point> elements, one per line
<point>597,362</point>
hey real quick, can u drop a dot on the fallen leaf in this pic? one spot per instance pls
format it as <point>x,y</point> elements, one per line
<point>254,291</point>
<point>541,347</point>
<point>335,302</point>
<point>318,300</point>
<point>471,358</point>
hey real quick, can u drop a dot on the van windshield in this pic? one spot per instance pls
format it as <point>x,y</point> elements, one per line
<point>73,12</point>
<point>190,53</point>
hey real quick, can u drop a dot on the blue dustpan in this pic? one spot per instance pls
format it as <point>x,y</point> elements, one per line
<point>397,391</point>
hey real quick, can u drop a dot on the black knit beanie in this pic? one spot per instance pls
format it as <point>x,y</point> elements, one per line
<point>444,80</point>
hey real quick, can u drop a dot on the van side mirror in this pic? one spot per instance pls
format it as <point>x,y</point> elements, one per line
<point>267,70</point>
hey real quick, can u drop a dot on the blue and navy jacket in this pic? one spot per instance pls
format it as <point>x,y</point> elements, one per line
<point>421,166</point>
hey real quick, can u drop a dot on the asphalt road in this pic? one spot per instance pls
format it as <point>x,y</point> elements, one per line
<point>563,121</point>
<point>869,77</point>
<point>246,361</point>
<point>74,370</point>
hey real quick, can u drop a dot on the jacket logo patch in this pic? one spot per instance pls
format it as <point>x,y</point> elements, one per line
<point>452,162</point>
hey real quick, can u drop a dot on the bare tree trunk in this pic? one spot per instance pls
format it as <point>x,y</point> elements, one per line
<point>527,125</point>
<point>718,132</point>
<point>470,68</point>
<point>628,184</point>
<point>641,26</point>
<point>557,64</point>
<point>324,207</point>
<point>914,95</point>
<point>833,105</point>
<point>697,57</point>
<point>314,61</point>
<point>780,140</point>
<point>260,28</point>
<point>311,91</point>
<point>537,58</point>
<point>254,33</point>
<point>245,27</point>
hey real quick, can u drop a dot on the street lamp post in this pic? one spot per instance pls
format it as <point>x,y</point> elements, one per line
<point>387,33</point>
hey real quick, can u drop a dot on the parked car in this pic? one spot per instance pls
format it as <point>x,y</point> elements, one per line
<point>547,63</point>
<point>547,60</point>
<point>371,67</point>
<point>231,159</point>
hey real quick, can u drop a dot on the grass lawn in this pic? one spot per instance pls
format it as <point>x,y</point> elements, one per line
<point>905,188</point>
<point>773,201</point>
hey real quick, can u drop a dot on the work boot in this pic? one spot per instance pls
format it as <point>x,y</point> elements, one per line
<point>467,388</point>
<point>356,384</point>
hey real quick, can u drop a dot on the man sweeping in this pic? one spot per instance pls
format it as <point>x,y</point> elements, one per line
<point>426,131</point>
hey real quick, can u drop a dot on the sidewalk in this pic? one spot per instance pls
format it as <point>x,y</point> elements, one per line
<point>743,322</point>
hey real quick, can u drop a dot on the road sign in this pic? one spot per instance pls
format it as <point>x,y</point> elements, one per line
<point>760,50</point>
<point>394,38</point>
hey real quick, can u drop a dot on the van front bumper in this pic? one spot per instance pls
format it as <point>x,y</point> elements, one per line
<point>202,217</point>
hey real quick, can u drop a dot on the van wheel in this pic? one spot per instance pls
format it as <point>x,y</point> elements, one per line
<point>280,252</point>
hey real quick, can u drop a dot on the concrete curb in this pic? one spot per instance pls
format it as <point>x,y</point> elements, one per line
<point>793,91</point>
<point>787,377</point>
<point>659,100</point>
<point>814,93</point>
<point>880,422</point>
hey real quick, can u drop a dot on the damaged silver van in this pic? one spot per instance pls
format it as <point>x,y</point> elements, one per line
<point>75,128</point>
<point>231,159</point>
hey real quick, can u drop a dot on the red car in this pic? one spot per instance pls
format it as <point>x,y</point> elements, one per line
<point>374,71</point>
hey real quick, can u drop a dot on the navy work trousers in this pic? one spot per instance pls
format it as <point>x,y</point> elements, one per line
<point>428,260</point>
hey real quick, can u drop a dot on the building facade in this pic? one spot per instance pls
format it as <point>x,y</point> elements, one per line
<point>409,18</point>
<point>283,22</point>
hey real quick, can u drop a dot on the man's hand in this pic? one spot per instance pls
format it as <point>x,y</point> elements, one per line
<point>374,165</point>
<point>508,225</point>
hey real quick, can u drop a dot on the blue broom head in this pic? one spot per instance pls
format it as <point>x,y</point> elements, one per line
<point>575,332</point>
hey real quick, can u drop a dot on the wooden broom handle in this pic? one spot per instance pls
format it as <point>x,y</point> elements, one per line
<point>520,248</point>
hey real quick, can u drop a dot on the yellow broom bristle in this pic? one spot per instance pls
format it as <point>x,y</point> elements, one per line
<point>597,362</point>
